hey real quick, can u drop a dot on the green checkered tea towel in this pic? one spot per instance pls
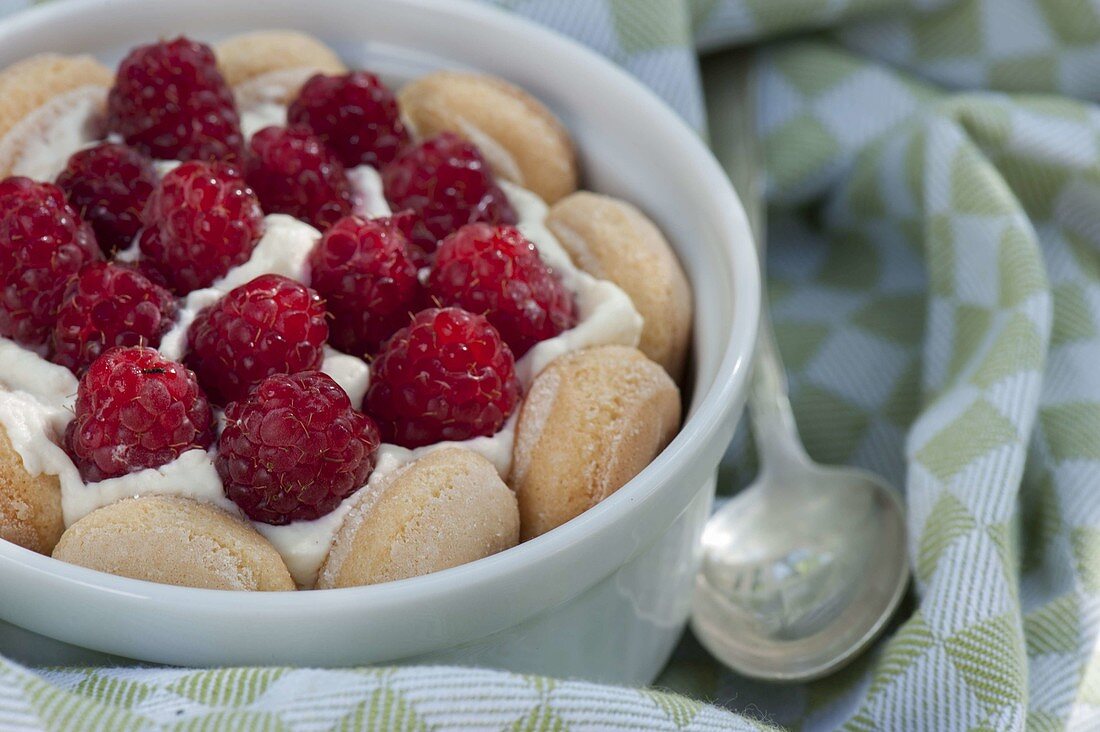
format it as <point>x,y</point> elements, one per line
<point>934,182</point>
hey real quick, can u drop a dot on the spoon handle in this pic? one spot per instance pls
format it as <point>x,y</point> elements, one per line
<point>773,421</point>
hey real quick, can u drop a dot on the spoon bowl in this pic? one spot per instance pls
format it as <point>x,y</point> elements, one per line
<point>800,571</point>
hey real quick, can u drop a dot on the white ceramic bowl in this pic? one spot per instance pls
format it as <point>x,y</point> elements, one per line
<point>603,597</point>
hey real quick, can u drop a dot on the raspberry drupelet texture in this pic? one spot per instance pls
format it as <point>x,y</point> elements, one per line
<point>109,185</point>
<point>136,409</point>
<point>270,325</point>
<point>447,184</point>
<point>406,221</point>
<point>446,376</point>
<point>171,102</point>
<point>43,243</point>
<point>293,173</point>
<point>294,449</point>
<point>355,114</point>
<point>363,271</point>
<point>109,305</point>
<point>496,271</point>
<point>201,220</point>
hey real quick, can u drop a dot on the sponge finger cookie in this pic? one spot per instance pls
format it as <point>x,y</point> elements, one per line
<point>611,239</point>
<point>591,421</point>
<point>176,541</point>
<point>521,139</point>
<point>37,93</point>
<point>248,56</point>
<point>30,505</point>
<point>447,508</point>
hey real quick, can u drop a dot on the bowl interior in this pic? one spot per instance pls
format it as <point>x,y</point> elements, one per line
<point>631,146</point>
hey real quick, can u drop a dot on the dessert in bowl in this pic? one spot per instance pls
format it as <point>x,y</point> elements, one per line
<point>248,325</point>
<point>263,435</point>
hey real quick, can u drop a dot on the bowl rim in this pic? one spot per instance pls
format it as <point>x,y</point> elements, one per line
<point>715,408</point>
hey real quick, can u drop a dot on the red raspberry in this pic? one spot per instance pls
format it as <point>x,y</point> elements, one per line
<point>447,183</point>
<point>134,410</point>
<point>495,271</point>
<point>406,222</point>
<point>146,269</point>
<point>354,114</point>
<point>362,270</point>
<point>109,305</point>
<point>200,221</point>
<point>109,185</point>
<point>171,102</point>
<point>271,325</point>
<point>446,376</point>
<point>293,173</point>
<point>295,449</point>
<point>43,242</point>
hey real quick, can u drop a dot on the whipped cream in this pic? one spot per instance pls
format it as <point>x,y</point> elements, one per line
<point>173,344</point>
<point>36,404</point>
<point>350,372</point>
<point>283,249</point>
<point>23,370</point>
<point>37,398</point>
<point>164,167</point>
<point>263,114</point>
<point>262,99</point>
<point>191,475</point>
<point>368,200</point>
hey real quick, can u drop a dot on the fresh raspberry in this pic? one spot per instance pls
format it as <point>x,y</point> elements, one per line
<point>446,376</point>
<point>293,173</point>
<point>43,242</point>
<point>109,185</point>
<point>363,271</point>
<point>136,409</point>
<point>271,325</point>
<point>171,102</point>
<point>295,449</point>
<point>354,114</point>
<point>447,183</point>
<point>407,222</point>
<point>496,271</point>
<point>109,305</point>
<point>146,269</point>
<point>201,220</point>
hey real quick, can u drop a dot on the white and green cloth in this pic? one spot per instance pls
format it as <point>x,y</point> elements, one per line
<point>934,267</point>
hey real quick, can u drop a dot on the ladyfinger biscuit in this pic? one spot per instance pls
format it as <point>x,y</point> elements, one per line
<point>248,55</point>
<point>30,506</point>
<point>36,91</point>
<point>521,139</point>
<point>175,541</point>
<point>591,421</point>
<point>448,508</point>
<point>611,239</point>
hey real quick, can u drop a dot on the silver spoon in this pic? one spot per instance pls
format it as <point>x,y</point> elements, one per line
<point>802,569</point>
